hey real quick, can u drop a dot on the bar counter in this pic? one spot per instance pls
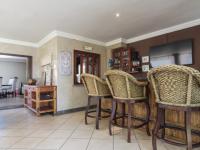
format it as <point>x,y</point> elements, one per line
<point>175,118</point>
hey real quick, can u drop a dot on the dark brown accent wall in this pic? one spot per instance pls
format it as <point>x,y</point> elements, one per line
<point>190,33</point>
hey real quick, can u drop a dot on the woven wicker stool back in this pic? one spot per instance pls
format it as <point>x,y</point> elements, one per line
<point>94,85</point>
<point>176,85</point>
<point>124,86</point>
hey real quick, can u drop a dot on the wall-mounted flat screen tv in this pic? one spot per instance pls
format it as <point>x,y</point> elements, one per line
<point>179,53</point>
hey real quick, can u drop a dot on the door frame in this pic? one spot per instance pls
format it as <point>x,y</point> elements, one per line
<point>29,61</point>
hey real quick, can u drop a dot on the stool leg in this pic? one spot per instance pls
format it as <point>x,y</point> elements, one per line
<point>87,109</point>
<point>188,129</point>
<point>100,108</point>
<point>148,113</point>
<point>123,114</point>
<point>115,113</point>
<point>129,122</point>
<point>163,124</point>
<point>114,105</point>
<point>98,112</point>
<point>156,128</point>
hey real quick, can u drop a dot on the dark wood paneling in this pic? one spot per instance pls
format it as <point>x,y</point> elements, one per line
<point>174,117</point>
<point>190,33</point>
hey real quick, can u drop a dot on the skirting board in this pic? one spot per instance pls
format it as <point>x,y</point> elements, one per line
<point>73,110</point>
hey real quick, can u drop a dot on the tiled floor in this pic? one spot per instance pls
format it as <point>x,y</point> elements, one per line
<point>21,129</point>
<point>11,102</point>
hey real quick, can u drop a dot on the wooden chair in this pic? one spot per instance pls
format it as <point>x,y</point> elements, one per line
<point>96,88</point>
<point>125,89</point>
<point>13,85</point>
<point>176,88</point>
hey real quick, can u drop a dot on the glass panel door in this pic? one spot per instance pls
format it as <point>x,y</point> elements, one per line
<point>78,68</point>
<point>90,63</point>
<point>96,65</point>
<point>84,63</point>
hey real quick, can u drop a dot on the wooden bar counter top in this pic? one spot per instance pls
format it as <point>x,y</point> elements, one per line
<point>171,117</point>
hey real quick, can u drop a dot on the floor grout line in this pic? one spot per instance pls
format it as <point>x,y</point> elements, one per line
<point>137,140</point>
<point>90,139</point>
<point>54,124</point>
<point>69,136</point>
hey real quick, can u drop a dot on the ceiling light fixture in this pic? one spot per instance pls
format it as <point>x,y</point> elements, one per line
<point>117,15</point>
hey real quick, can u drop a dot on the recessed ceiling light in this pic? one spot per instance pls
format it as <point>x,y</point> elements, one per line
<point>117,15</point>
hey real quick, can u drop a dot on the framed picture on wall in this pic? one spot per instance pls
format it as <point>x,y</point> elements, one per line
<point>65,63</point>
<point>145,59</point>
<point>145,68</point>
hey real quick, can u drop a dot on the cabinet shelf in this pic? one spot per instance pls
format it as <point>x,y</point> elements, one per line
<point>43,101</point>
<point>37,105</point>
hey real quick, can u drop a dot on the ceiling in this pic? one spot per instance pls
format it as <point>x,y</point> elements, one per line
<point>31,20</point>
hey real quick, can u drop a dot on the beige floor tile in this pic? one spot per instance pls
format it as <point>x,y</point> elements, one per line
<point>102,134</point>
<point>48,126</point>
<point>103,124</point>
<point>121,135</point>
<point>11,101</point>
<point>100,144</point>
<point>6,142</point>
<point>15,132</point>
<point>27,143</point>
<point>142,135</point>
<point>125,146</point>
<point>21,129</point>
<point>50,143</point>
<point>82,126</point>
<point>69,126</point>
<point>61,134</point>
<point>17,149</point>
<point>82,134</point>
<point>15,126</point>
<point>75,144</point>
<point>147,145</point>
<point>41,133</point>
<point>173,147</point>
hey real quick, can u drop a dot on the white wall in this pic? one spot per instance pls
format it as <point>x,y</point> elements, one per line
<point>22,50</point>
<point>11,69</point>
<point>70,95</point>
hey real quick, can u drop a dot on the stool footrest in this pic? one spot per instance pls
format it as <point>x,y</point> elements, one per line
<point>94,116</point>
<point>171,126</point>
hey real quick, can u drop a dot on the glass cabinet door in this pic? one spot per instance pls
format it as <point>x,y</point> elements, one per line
<point>96,68</point>
<point>85,62</point>
<point>90,64</point>
<point>77,68</point>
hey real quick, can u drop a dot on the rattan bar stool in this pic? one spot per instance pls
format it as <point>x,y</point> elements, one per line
<point>176,88</point>
<point>97,89</point>
<point>125,89</point>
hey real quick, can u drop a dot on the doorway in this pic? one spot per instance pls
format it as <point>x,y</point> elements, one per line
<point>15,70</point>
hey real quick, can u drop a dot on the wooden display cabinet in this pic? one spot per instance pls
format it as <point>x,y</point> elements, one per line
<point>40,99</point>
<point>123,60</point>
<point>85,62</point>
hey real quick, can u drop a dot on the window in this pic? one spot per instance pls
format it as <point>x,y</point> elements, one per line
<point>85,62</point>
